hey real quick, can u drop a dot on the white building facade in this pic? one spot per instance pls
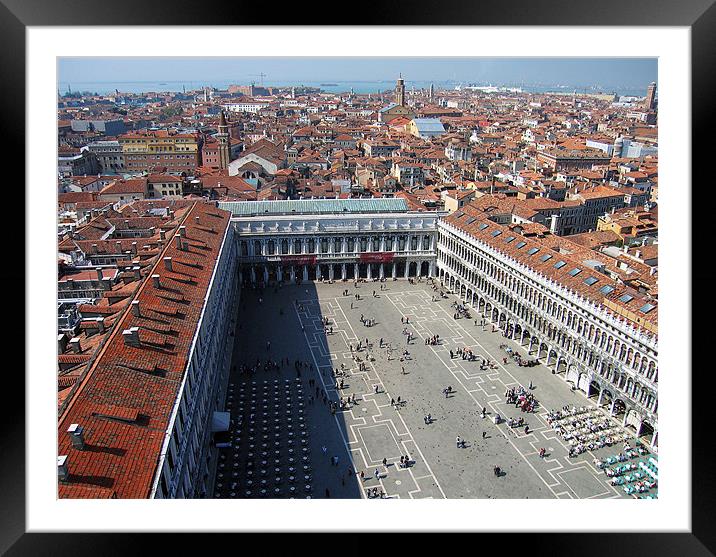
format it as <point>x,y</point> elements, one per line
<point>344,239</point>
<point>608,359</point>
<point>188,456</point>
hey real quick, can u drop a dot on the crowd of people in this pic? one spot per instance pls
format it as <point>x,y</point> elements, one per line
<point>460,311</point>
<point>521,398</point>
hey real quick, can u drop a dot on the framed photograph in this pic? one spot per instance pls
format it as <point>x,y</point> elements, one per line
<point>392,276</point>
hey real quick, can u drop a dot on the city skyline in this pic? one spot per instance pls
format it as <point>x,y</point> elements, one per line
<point>569,72</point>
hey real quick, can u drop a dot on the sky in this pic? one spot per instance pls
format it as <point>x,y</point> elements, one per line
<point>614,72</point>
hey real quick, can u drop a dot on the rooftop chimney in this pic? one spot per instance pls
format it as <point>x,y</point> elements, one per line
<point>155,280</point>
<point>182,231</point>
<point>177,239</point>
<point>134,248</point>
<point>75,431</point>
<point>168,263</point>
<point>162,234</point>
<point>75,345</point>
<point>196,220</point>
<point>131,336</point>
<point>137,272</point>
<point>94,248</point>
<point>100,324</point>
<point>135,308</point>
<point>100,276</point>
<point>61,343</point>
<point>119,246</point>
<point>62,472</point>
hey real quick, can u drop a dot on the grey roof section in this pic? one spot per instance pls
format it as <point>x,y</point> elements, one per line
<point>314,206</point>
<point>429,125</point>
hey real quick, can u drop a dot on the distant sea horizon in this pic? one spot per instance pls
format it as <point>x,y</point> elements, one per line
<point>331,86</point>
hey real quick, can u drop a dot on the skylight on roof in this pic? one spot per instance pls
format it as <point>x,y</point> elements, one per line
<point>459,214</point>
<point>532,251</point>
<point>559,264</point>
<point>509,239</point>
<point>606,289</point>
<point>496,233</point>
<point>483,226</point>
<point>626,298</point>
<point>471,220</point>
<point>521,245</point>
<point>646,308</point>
<point>589,281</point>
<point>545,257</point>
<point>574,272</point>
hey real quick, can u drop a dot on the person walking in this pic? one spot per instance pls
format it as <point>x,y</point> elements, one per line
<point>458,441</point>
<point>377,474</point>
<point>385,462</point>
<point>484,433</point>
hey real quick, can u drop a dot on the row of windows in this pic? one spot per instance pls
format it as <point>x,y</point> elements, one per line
<point>195,403</point>
<point>363,244</point>
<point>529,289</point>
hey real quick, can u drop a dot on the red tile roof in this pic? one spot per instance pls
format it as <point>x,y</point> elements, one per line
<point>125,401</point>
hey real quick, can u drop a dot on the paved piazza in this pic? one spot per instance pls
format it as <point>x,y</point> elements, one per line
<point>290,317</point>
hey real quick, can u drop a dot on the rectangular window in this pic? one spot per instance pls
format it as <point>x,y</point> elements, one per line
<point>559,264</point>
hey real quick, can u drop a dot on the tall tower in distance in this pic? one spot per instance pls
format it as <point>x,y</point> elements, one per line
<point>432,93</point>
<point>400,91</point>
<point>650,102</point>
<point>223,139</point>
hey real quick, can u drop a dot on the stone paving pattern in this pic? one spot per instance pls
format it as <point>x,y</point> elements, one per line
<point>373,429</point>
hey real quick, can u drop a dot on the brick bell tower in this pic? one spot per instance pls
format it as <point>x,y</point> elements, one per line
<point>400,91</point>
<point>223,139</point>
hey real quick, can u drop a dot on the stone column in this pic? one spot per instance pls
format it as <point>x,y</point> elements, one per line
<point>253,274</point>
<point>407,268</point>
<point>305,272</point>
<point>293,274</point>
<point>369,272</point>
<point>382,243</point>
<point>279,273</point>
<point>318,271</point>
<point>330,272</point>
<point>355,271</point>
<point>343,271</point>
<point>265,274</point>
<point>381,272</point>
<point>395,270</point>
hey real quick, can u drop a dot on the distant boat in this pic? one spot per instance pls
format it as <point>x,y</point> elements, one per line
<point>329,84</point>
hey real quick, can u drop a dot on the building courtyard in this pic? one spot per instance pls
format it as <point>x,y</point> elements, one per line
<point>320,325</point>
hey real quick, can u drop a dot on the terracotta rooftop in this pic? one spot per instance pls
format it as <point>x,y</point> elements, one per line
<point>125,401</point>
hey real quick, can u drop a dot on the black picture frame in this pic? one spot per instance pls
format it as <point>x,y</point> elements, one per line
<point>698,15</point>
